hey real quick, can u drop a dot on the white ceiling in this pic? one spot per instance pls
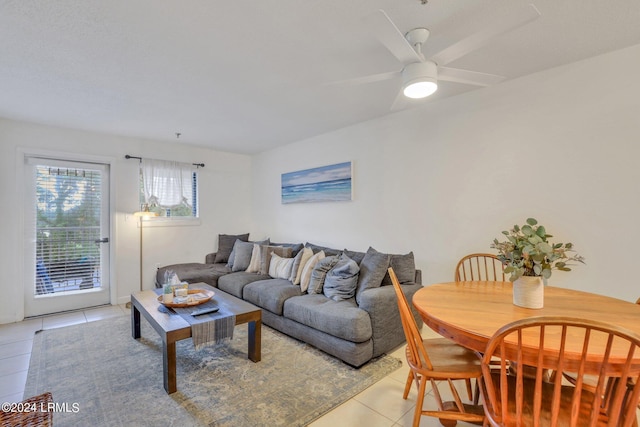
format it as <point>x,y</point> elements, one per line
<point>248,75</point>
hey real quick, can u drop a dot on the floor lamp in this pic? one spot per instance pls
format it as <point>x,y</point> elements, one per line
<point>145,212</point>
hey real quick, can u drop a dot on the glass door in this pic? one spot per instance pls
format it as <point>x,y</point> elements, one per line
<point>67,231</point>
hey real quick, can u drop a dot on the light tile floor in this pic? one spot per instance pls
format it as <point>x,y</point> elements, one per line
<point>379,405</point>
<point>16,340</point>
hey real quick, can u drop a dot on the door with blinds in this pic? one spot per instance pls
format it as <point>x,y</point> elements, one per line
<point>67,235</point>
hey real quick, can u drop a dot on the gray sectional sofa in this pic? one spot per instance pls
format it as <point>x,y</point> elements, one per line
<point>354,329</point>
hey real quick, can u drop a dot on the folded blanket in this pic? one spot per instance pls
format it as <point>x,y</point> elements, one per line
<point>208,328</point>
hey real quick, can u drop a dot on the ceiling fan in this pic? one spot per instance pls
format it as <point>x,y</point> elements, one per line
<point>420,75</point>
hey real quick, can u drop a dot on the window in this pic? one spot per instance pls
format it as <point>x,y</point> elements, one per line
<point>170,189</point>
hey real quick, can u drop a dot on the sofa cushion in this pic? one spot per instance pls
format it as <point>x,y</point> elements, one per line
<point>327,251</point>
<point>241,254</point>
<point>265,256</point>
<point>225,245</point>
<point>342,279</point>
<point>319,273</point>
<point>298,265</point>
<point>270,294</point>
<point>295,247</point>
<point>404,266</point>
<point>261,257</point>
<point>354,255</point>
<point>254,264</point>
<point>342,319</point>
<point>305,277</point>
<point>235,283</point>
<point>279,267</point>
<point>373,268</point>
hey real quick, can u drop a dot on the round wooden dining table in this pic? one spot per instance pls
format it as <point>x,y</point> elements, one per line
<point>469,313</point>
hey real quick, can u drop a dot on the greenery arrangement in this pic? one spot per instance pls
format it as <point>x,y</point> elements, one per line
<point>527,252</point>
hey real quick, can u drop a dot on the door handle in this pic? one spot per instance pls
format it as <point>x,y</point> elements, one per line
<point>103,240</point>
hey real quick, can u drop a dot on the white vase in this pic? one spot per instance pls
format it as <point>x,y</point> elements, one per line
<point>528,292</point>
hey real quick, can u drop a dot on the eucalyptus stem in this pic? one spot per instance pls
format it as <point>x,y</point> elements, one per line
<point>527,249</point>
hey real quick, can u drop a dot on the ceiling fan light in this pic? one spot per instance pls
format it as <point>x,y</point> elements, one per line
<point>420,89</point>
<point>420,79</point>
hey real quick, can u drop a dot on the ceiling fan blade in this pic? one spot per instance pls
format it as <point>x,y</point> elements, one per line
<point>391,37</point>
<point>367,79</point>
<point>475,78</point>
<point>400,103</point>
<point>477,40</point>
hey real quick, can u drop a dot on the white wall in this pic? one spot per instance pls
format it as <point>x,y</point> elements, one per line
<point>226,177</point>
<point>442,180</point>
<point>445,179</point>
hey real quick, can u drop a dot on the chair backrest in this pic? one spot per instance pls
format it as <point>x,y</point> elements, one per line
<point>479,267</point>
<point>604,352</point>
<point>417,355</point>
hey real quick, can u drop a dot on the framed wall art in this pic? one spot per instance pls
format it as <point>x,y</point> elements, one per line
<point>323,184</point>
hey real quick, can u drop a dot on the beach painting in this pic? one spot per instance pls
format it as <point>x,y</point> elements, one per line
<point>324,184</point>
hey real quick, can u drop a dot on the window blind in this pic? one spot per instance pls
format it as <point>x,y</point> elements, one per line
<point>68,204</point>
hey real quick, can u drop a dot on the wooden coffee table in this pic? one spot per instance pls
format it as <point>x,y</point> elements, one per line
<point>172,327</point>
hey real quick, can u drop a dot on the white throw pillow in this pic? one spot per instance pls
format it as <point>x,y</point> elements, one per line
<point>308,268</point>
<point>296,275</point>
<point>279,267</point>
<point>254,264</point>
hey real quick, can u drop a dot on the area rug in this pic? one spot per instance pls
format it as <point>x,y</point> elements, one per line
<point>100,376</point>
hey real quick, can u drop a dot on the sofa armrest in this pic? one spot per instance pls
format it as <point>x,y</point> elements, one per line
<point>382,306</point>
<point>209,258</point>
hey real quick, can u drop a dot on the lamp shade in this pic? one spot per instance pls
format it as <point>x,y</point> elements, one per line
<point>420,79</point>
<point>144,214</point>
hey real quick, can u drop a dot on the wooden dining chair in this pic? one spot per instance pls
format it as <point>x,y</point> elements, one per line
<point>434,360</point>
<point>590,383</point>
<point>479,267</point>
<point>518,399</point>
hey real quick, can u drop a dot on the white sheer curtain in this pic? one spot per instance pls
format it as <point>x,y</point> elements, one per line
<point>167,183</point>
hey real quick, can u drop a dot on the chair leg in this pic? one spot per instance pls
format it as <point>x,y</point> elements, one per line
<point>469,390</point>
<point>476,397</point>
<point>419,402</point>
<point>407,386</point>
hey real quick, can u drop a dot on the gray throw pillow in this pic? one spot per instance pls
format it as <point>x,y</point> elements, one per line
<point>327,251</point>
<point>373,267</point>
<point>297,260</point>
<point>225,245</point>
<point>245,256</point>
<point>356,256</point>
<point>342,279</point>
<point>320,272</point>
<point>404,266</point>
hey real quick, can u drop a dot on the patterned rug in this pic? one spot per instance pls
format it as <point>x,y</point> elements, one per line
<point>100,376</point>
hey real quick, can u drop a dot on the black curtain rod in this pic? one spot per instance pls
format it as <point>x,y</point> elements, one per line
<point>200,165</point>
